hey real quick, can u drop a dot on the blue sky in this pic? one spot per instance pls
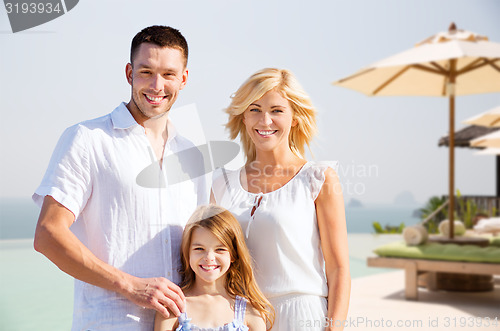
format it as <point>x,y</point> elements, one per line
<point>73,68</point>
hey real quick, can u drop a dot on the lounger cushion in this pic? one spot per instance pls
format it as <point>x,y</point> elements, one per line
<point>495,241</point>
<point>436,251</point>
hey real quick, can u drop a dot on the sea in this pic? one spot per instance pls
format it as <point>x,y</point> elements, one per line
<point>18,217</point>
<point>36,295</point>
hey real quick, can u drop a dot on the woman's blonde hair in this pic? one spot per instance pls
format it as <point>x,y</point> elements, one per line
<point>240,279</point>
<point>254,88</point>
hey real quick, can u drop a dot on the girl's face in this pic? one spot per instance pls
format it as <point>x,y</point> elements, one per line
<point>208,257</point>
<point>268,121</point>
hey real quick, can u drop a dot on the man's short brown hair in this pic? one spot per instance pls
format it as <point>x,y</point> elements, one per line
<point>163,36</point>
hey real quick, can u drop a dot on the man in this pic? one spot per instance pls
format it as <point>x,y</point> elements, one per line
<point>123,246</point>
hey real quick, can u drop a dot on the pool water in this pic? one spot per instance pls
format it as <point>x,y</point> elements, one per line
<point>36,295</point>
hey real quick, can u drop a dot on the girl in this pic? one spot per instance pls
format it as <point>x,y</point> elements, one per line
<point>291,209</point>
<point>217,278</point>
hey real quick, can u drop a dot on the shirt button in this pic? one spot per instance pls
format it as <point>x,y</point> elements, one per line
<point>166,241</point>
<point>168,274</point>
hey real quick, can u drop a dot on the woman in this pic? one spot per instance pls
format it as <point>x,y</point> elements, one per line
<point>291,210</point>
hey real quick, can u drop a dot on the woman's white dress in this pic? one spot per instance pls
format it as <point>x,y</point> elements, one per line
<point>282,234</point>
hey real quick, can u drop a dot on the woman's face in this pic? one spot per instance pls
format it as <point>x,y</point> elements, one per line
<point>268,121</point>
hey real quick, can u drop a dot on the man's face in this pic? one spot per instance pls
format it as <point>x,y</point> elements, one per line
<point>156,76</point>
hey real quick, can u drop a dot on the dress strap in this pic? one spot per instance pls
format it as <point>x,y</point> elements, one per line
<point>184,323</point>
<point>240,305</point>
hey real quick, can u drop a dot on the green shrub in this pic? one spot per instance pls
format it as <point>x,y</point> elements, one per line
<point>388,228</point>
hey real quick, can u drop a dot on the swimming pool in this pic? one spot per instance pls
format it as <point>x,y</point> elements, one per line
<point>36,295</point>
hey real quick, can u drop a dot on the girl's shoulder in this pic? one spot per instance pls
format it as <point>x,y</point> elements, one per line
<point>165,324</point>
<point>253,319</point>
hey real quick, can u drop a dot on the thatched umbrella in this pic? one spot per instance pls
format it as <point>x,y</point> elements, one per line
<point>463,137</point>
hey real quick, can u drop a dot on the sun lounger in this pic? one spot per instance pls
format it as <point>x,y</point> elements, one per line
<point>435,258</point>
<point>414,267</point>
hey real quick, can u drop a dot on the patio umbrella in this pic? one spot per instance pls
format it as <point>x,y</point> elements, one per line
<point>463,138</point>
<point>491,140</point>
<point>489,151</point>
<point>450,63</point>
<point>491,118</point>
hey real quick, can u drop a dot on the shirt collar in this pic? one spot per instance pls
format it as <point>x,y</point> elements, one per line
<point>122,118</point>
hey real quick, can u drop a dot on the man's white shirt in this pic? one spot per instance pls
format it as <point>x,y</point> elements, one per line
<point>127,222</point>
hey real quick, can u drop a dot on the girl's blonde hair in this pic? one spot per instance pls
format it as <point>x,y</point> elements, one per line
<point>240,279</point>
<point>254,88</point>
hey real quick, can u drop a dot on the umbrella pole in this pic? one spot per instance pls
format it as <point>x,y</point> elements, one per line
<point>451,181</point>
<point>451,189</point>
<point>498,176</point>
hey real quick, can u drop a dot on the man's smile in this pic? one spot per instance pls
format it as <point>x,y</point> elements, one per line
<point>156,100</point>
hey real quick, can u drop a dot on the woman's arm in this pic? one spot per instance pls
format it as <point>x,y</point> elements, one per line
<point>333,233</point>
<point>165,324</point>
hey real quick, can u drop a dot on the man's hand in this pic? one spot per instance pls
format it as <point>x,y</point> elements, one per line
<point>54,239</point>
<point>159,294</point>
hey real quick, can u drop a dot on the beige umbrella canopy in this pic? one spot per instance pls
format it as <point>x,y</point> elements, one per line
<point>489,151</point>
<point>488,120</point>
<point>491,118</point>
<point>491,140</point>
<point>450,63</point>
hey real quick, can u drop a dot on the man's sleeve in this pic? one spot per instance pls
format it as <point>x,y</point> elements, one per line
<point>68,176</point>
